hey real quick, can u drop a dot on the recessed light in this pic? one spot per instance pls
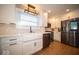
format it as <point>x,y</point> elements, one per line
<point>45,13</point>
<point>49,11</point>
<point>67,10</point>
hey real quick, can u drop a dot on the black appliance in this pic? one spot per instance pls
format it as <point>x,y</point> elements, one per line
<point>70,32</point>
<point>46,40</point>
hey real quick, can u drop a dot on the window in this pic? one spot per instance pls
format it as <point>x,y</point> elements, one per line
<point>28,19</point>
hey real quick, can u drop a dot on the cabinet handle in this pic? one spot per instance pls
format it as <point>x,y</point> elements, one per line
<point>13,44</point>
<point>12,39</point>
<point>35,44</point>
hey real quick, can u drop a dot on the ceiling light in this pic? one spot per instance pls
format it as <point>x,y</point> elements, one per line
<point>49,11</point>
<point>67,10</point>
<point>45,13</point>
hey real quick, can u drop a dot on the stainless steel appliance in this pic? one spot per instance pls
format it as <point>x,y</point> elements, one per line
<point>70,32</point>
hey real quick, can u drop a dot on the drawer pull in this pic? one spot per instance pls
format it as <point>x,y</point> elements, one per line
<point>35,44</point>
<point>12,39</point>
<point>13,44</point>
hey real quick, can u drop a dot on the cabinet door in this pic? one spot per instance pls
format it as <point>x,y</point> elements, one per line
<point>7,13</point>
<point>46,40</point>
<point>45,19</point>
<point>15,49</point>
<point>38,45</point>
<point>32,46</point>
<point>28,47</point>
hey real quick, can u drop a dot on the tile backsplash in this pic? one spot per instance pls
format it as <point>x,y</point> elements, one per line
<point>38,29</point>
<point>26,29</point>
<point>8,29</point>
<point>23,29</point>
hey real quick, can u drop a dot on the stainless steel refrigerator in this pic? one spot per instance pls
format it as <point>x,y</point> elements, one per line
<point>70,32</point>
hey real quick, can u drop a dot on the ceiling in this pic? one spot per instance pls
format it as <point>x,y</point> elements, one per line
<point>58,9</point>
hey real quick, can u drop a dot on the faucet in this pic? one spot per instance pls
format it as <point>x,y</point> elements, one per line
<point>30,29</point>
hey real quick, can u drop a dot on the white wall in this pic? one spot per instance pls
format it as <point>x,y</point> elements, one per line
<point>56,22</point>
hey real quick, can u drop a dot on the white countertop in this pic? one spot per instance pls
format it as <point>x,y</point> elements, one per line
<point>26,34</point>
<point>7,35</point>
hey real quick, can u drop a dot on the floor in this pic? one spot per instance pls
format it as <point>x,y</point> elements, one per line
<point>58,48</point>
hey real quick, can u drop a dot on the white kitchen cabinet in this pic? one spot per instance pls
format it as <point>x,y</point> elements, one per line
<point>43,19</point>
<point>7,13</point>
<point>32,46</point>
<point>28,48</point>
<point>10,46</point>
<point>15,49</point>
<point>38,45</point>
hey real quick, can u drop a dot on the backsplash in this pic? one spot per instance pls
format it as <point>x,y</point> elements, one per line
<point>26,29</point>
<point>7,29</point>
<point>23,29</point>
<point>38,29</point>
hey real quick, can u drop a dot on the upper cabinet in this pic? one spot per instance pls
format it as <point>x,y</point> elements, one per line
<point>7,13</point>
<point>44,19</point>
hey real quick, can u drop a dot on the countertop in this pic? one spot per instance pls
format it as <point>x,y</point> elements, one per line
<point>26,34</point>
<point>7,36</point>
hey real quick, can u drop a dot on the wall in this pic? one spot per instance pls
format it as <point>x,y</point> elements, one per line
<point>56,22</point>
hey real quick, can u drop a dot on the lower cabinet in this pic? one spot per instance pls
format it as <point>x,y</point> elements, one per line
<point>11,46</point>
<point>15,49</point>
<point>32,46</point>
<point>46,40</point>
<point>38,45</point>
<point>28,47</point>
